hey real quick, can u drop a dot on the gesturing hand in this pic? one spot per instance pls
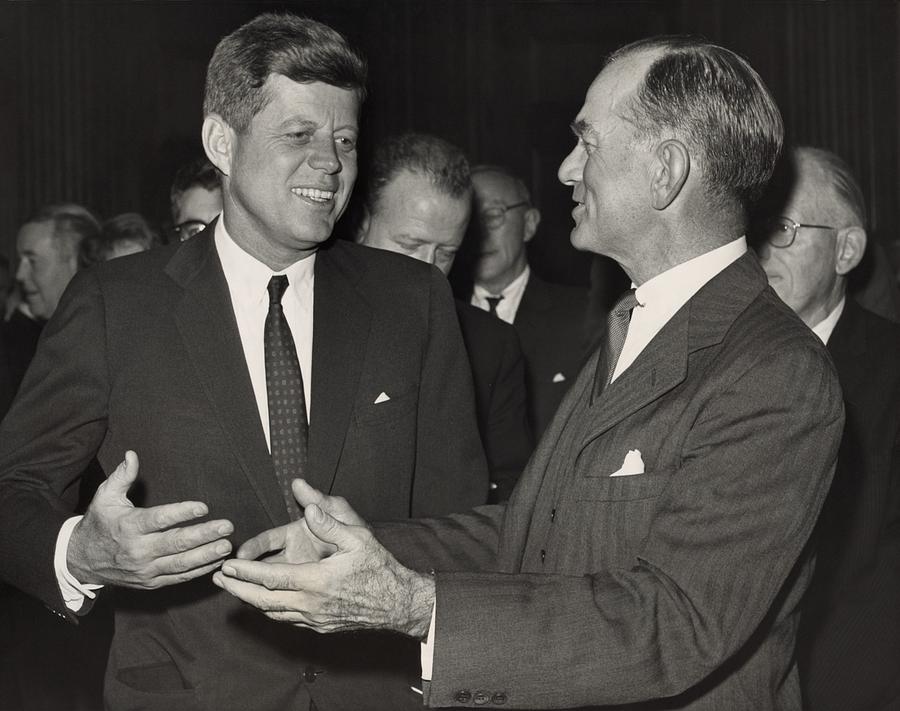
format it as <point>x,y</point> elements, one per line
<point>360,586</point>
<point>118,544</point>
<point>293,543</point>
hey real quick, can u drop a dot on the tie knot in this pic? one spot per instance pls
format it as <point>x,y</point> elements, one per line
<point>493,301</point>
<point>277,286</point>
<point>626,303</point>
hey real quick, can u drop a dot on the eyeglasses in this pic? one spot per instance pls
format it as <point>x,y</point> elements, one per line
<point>188,229</point>
<point>494,217</point>
<point>782,231</point>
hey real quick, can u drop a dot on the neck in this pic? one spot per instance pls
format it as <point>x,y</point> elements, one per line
<point>501,281</point>
<point>820,311</point>
<point>249,234</point>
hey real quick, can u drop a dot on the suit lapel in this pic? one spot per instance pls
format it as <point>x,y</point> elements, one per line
<point>847,346</point>
<point>205,319</point>
<point>703,321</point>
<point>533,303</point>
<point>341,323</point>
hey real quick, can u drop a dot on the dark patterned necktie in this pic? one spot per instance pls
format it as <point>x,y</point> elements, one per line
<point>614,340</point>
<point>288,427</point>
<point>493,301</point>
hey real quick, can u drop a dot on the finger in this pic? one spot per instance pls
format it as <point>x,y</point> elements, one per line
<point>196,558</point>
<point>123,476</point>
<point>327,528</point>
<point>257,595</point>
<point>272,576</point>
<point>306,494</point>
<point>175,579</point>
<point>265,542</point>
<point>160,518</point>
<point>185,538</point>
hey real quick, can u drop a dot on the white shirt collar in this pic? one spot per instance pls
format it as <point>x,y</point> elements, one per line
<point>512,296</point>
<point>662,296</point>
<point>248,278</point>
<point>825,327</point>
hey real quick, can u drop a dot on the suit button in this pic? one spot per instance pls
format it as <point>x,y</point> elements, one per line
<point>543,555</point>
<point>552,515</point>
<point>464,696</point>
<point>481,698</point>
<point>499,698</point>
<point>310,674</point>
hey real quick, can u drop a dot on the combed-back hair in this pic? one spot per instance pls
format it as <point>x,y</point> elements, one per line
<point>198,173</point>
<point>841,178</point>
<point>72,223</point>
<point>126,227</point>
<point>524,192</point>
<point>298,48</point>
<point>717,102</point>
<point>440,162</point>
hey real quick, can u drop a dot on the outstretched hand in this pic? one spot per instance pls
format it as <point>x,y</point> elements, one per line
<point>293,543</point>
<point>359,586</point>
<point>117,543</point>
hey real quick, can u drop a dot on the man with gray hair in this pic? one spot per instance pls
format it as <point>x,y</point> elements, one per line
<point>812,238</point>
<point>655,551</point>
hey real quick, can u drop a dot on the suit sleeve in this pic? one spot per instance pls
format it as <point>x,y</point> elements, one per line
<point>730,529</point>
<point>451,471</point>
<point>52,431</point>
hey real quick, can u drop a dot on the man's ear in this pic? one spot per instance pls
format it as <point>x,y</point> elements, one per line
<point>218,142</point>
<point>673,164</point>
<point>364,223</point>
<point>850,247</point>
<point>532,220</point>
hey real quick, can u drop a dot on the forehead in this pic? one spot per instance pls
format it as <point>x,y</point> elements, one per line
<point>812,197</point>
<point>495,187</point>
<point>35,236</point>
<point>316,102</point>
<point>409,202</point>
<point>613,87</point>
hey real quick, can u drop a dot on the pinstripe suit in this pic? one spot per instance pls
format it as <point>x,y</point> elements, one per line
<point>681,582</point>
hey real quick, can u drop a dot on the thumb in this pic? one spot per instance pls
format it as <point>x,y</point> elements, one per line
<point>306,494</point>
<point>327,528</point>
<point>118,483</point>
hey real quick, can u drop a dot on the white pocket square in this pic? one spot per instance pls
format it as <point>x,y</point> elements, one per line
<point>632,465</point>
<point>559,378</point>
<point>384,397</point>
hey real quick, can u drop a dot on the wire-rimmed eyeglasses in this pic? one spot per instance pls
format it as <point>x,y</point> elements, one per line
<point>494,217</point>
<point>782,231</point>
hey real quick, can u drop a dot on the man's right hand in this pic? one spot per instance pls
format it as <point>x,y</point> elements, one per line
<point>118,544</point>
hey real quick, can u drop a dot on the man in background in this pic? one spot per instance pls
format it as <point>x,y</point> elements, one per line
<point>419,200</point>
<point>549,318</point>
<point>810,243</point>
<point>195,198</point>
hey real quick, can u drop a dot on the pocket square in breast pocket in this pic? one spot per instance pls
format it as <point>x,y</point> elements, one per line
<point>632,465</point>
<point>384,397</point>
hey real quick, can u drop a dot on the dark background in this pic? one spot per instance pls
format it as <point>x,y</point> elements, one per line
<point>101,101</point>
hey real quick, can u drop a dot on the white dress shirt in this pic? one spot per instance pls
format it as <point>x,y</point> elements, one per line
<point>825,327</point>
<point>247,279</point>
<point>658,300</point>
<point>512,296</point>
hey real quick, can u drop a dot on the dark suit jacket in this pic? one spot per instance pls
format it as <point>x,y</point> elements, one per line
<point>682,583</point>
<point>143,353</point>
<point>550,324</point>
<point>7,390</point>
<point>849,644</point>
<point>20,336</point>
<point>498,372</point>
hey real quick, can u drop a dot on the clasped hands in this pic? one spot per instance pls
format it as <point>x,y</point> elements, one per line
<point>325,571</point>
<point>329,573</point>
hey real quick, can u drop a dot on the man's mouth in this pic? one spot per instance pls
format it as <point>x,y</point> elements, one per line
<point>314,195</point>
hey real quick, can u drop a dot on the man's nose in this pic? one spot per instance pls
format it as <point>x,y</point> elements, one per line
<point>325,157</point>
<point>570,170</point>
<point>22,271</point>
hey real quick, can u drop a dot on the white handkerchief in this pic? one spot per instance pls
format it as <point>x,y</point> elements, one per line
<point>384,397</point>
<point>632,465</point>
<point>559,378</point>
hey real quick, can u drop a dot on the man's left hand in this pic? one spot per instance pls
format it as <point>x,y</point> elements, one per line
<point>360,586</point>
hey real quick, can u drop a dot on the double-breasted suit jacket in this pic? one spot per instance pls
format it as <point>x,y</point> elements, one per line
<point>678,587</point>
<point>144,354</point>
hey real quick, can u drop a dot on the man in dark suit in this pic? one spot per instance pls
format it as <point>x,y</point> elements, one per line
<point>418,203</point>
<point>231,363</point>
<point>549,318</point>
<point>849,642</point>
<point>655,550</point>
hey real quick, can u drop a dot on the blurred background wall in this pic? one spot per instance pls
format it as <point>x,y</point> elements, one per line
<point>101,101</point>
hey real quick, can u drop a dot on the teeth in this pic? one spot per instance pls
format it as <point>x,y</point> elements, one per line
<point>314,194</point>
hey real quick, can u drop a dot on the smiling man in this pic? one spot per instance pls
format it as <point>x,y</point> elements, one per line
<point>655,551</point>
<point>232,363</point>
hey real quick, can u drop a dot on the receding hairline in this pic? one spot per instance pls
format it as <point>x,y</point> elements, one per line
<point>817,167</point>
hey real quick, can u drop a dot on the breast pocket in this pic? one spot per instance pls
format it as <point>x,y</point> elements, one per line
<point>387,412</point>
<point>635,487</point>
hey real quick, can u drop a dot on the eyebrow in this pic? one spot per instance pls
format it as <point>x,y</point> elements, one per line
<point>294,122</point>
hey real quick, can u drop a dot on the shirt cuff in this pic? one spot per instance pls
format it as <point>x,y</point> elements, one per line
<point>427,653</point>
<point>73,592</point>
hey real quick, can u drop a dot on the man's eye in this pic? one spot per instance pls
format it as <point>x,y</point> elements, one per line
<point>347,143</point>
<point>299,136</point>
